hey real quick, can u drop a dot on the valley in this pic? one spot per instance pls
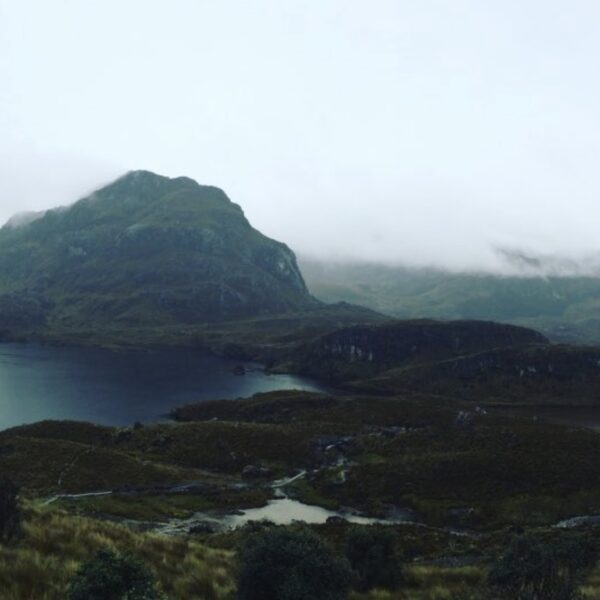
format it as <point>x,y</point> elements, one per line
<point>450,474</point>
<point>177,391</point>
<point>559,301</point>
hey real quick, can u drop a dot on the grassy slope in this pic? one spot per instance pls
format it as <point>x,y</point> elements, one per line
<point>54,543</point>
<point>497,466</point>
<point>511,472</point>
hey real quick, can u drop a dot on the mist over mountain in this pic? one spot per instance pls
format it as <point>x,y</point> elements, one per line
<point>531,264</point>
<point>552,295</point>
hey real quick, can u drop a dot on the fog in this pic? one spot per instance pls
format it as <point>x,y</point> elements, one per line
<point>459,133</point>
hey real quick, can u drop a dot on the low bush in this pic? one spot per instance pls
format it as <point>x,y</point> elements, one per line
<point>280,564</point>
<point>111,576</point>
<point>10,515</point>
<point>372,556</point>
<point>536,569</point>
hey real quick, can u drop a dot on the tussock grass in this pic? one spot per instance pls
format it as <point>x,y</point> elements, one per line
<point>424,582</point>
<point>53,544</point>
<point>429,582</point>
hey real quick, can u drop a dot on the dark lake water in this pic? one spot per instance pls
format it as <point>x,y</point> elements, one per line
<point>119,388</point>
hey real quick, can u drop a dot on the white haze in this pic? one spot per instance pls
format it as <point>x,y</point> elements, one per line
<point>423,133</point>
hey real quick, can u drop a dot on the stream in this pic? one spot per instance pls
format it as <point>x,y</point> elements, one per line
<point>281,510</point>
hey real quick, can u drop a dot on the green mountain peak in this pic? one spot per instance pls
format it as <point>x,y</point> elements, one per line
<point>145,250</point>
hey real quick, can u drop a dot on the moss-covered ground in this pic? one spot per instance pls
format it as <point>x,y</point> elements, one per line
<point>484,476</point>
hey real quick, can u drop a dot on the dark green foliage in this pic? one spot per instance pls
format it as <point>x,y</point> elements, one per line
<point>10,516</point>
<point>373,558</point>
<point>533,569</point>
<point>109,576</point>
<point>287,565</point>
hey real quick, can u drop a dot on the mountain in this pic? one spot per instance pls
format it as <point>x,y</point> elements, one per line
<point>566,308</point>
<point>145,250</point>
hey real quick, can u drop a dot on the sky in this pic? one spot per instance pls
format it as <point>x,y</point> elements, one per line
<point>452,133</point>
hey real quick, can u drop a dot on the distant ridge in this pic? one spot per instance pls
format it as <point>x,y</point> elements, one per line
<point>564,307</point>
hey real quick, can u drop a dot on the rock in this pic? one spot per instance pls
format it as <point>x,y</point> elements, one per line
<point>255,472</point>
<point>464,420</point>
<point>7,449</point>
<point>336,520</point>
<point>461,514</point>
<point>457,561</point>
<point>592,520</point>
<point>516,530</point>
<point>202,527</point>
<point>330,442</point>
<point>258,526</point>
<point>362,351</point>
<point>162,441</point>
<point>122,435</point>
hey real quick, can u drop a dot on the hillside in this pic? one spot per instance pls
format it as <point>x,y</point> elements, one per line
<point>474,361</point>
<point>145,250</point>
<point>565,308</point>
<point>362,351</point>
<point>533,374</point>
<point>169,490</point>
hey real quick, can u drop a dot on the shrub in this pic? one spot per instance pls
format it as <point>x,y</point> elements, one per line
<point>110,576</point>
<point>372,556</point>
<point>10,516</point>
<point>281,564</point>
<point>533,569</point>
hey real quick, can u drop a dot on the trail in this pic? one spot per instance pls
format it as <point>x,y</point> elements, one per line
<point>72,464</point>
<point>287,480</point>
<point>74,496</point>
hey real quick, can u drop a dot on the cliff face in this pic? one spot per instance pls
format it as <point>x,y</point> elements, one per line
<point>363,351</point>
<point>475,361</point>
<point>411,341</point>
<point>528,374</point>
<point>146,250</point>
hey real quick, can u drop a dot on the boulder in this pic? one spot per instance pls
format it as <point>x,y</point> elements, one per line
<point>256,472</point>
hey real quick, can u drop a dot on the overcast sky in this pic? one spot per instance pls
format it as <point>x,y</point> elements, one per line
<point>416,131</point>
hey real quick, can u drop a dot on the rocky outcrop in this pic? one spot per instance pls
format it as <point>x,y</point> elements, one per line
<point>530,374</point>
<point>363,351</point>
<point>256,472</point>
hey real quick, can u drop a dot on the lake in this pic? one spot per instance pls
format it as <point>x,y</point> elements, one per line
<point>119,388</point>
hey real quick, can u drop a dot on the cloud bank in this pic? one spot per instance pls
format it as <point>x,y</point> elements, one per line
<point>456,134</point>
